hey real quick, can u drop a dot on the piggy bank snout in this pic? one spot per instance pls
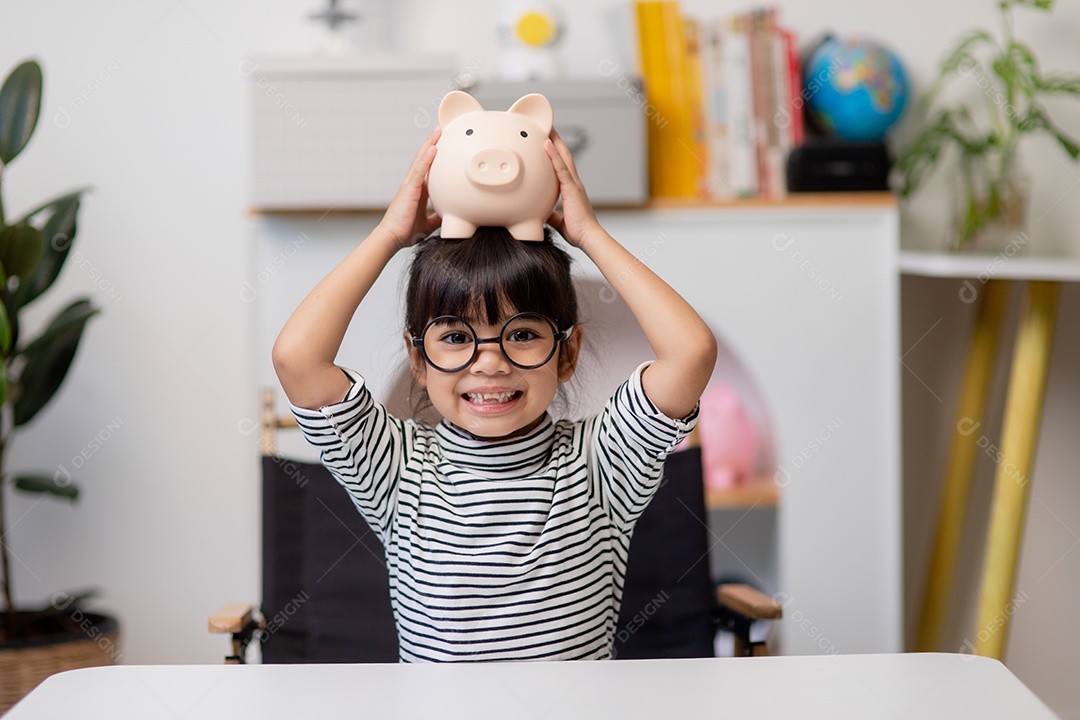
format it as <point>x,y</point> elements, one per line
<point>494,167</point>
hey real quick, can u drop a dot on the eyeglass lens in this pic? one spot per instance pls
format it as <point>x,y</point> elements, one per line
<point>527,340</point>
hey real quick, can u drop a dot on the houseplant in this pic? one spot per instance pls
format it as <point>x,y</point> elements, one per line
<point>33,249</point>
<point>990,186</point>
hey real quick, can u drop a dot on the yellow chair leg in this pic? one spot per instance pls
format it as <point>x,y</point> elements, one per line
<point>954,500</point>
<point>1023,411</point>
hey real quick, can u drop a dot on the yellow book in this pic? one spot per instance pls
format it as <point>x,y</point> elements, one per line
<point>673,157</point>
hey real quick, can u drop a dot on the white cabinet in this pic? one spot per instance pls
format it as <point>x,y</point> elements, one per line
<point>808,299</point>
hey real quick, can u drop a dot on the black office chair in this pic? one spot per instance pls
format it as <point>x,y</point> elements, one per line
<point>326,589</point>
<point>670,606</point>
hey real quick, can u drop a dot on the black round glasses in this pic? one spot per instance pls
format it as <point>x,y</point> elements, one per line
<point>527,341</point>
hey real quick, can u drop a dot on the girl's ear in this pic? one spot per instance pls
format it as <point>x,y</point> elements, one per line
<point>416,361</point>
<point>568,354</point>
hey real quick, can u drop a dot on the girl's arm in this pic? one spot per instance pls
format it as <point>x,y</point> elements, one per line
<point>685,347</point>
<point>307,346</point>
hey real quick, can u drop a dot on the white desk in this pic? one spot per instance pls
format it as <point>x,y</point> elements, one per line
<point>923,686</point>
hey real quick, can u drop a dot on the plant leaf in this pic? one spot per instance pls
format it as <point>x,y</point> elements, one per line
<point>21,247</point>
<point>1024,68</point>
<point>58,233</point>
<point>58,486</point>
<point>1058,84</point>
<point>1037,119</point>
<point>20,105</point>
<point>1031,4</point>
<point>5,332</point>
<point>48,359</point>
<point>961,59</point>
<point>918,160</point>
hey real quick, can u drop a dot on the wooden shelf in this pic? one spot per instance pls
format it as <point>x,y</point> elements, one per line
<point>761,493</point>
<point>825,201</point>
<point>792,200</point>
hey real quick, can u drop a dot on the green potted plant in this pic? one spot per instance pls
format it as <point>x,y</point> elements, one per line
<point>35,642</point>
<point>990,186</point>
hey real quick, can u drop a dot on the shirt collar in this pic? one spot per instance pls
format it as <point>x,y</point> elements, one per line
<point>513,458</point>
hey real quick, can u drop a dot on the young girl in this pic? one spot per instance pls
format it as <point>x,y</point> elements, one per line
<point>506,532</point>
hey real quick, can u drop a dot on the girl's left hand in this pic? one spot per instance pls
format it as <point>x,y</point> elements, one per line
<point>577,219</point>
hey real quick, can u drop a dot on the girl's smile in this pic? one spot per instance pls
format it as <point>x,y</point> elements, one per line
<point>489,400</point>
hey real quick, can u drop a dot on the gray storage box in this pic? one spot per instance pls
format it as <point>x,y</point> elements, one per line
<point>601,124</point>
<point>338,132</point>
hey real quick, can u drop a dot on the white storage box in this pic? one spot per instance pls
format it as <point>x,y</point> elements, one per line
<point>339,132</point>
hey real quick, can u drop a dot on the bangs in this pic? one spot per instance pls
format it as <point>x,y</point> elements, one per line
<point>487,278</point>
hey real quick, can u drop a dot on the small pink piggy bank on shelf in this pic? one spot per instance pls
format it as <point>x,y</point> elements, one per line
<point>491,167</point>
<point>729,440</point>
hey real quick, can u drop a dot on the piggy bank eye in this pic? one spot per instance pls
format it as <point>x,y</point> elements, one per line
<point>524,134</point>
<point>469,131</point>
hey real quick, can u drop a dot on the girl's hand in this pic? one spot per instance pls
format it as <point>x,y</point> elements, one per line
<point>577,220</point>
<point>406,221</point>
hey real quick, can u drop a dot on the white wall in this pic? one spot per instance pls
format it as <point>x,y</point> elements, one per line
<point>155,122</point>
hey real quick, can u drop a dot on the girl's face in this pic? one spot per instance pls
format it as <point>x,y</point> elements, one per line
<point>492,398</point>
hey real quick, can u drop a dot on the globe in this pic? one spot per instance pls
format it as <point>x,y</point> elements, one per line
<point>854,89</point>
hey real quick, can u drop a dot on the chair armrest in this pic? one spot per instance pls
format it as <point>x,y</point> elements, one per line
<point>749,602</point>
<point>231,618</point>
<point>738,607</point>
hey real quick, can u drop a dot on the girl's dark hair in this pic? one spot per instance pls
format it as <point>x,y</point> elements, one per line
<point>484,277</point>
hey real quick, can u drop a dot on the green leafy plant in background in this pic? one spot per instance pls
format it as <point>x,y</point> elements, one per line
<point>33,249</point>
<point>1007,75</point>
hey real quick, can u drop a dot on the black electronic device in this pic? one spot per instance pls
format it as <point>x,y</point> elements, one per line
<point>826,164</point>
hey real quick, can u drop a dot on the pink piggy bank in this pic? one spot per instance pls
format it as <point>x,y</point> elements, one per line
<point>729,440</point>
<point>491,167</point>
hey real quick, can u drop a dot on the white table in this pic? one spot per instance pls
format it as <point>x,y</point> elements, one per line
<point>923,686</point>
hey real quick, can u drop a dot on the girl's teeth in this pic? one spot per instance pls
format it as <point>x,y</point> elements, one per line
<point>490,398</point>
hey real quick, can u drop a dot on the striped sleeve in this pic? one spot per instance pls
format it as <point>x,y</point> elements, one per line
<point>630,440</point>
<point>362,446</point>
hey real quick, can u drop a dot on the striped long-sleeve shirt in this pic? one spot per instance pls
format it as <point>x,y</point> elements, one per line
<point>500,550</point>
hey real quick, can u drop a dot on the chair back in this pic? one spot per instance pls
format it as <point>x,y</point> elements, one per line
<point>326,596</point>
<point>326,591</point>
<point>668,598</point>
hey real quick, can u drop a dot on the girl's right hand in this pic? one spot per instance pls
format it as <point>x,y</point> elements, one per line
<point>406,221</point>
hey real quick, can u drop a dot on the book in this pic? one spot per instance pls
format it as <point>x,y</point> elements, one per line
<point>743,131</point>
<point>695,97</point>
<point>673,163</point>
<point>716,109</point>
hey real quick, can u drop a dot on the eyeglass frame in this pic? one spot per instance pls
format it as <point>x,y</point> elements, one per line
<point>558,336</point>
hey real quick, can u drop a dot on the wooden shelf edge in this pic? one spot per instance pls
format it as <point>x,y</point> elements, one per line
<point>825,201</point>
<point>761,493</point>
<point>792,200</point>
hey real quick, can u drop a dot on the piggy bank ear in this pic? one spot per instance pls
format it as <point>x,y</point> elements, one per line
<point>456,103</point>
<point>537,108</point>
